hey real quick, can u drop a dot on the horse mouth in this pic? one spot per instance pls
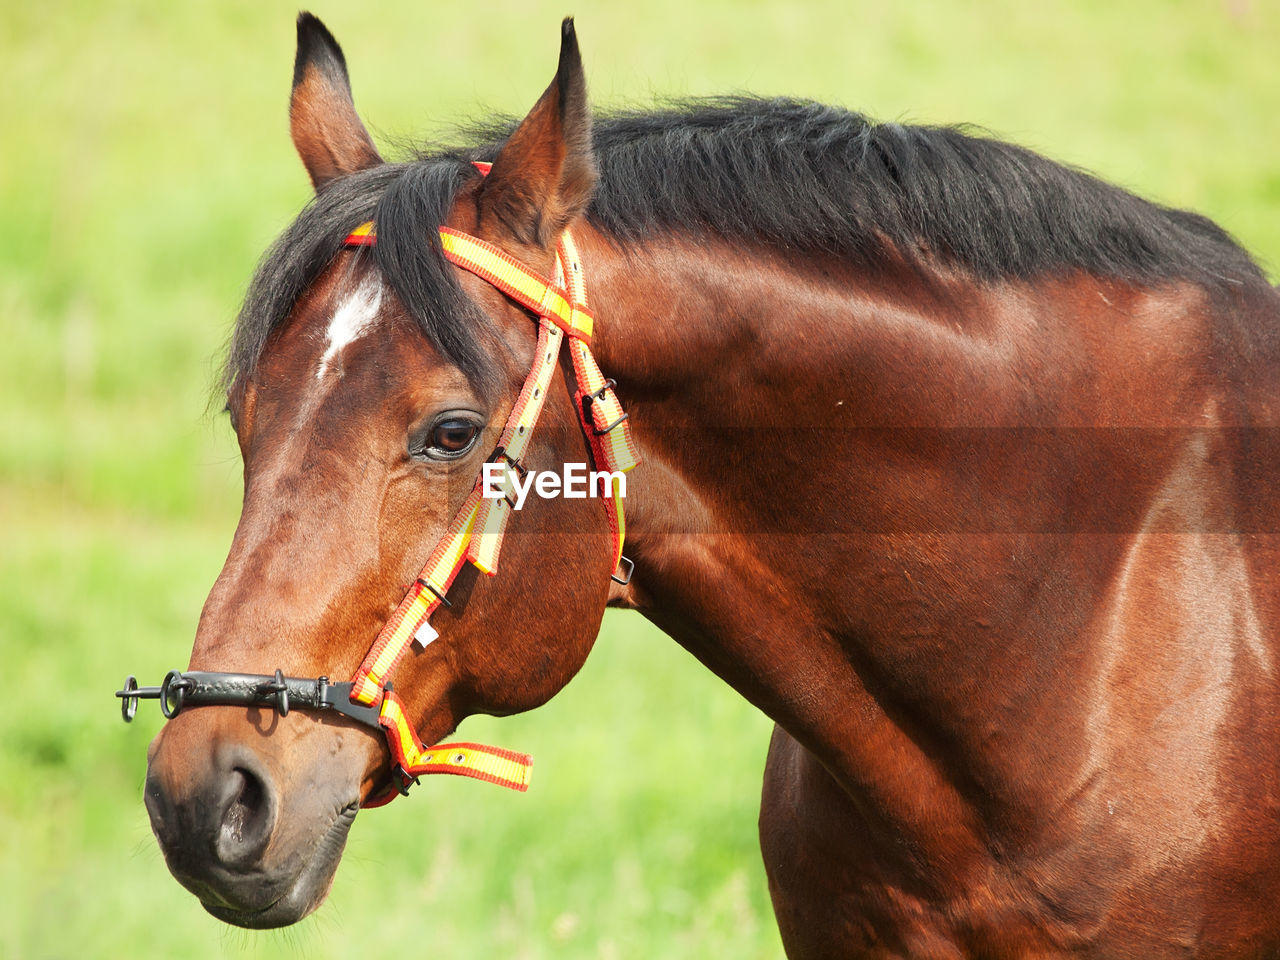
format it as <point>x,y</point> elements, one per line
<point>304,893</point>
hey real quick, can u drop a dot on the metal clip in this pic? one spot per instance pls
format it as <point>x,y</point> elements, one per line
<point>129,698</point>
<point>173,688</point>
<point>281,690</point>
<point>402,780</point>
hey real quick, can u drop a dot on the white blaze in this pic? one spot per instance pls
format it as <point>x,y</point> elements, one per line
<point>352,319</point>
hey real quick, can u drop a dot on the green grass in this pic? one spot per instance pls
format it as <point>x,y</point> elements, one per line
<point>145,164</point>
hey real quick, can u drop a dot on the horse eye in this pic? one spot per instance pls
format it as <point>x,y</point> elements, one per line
<point>452,438</point>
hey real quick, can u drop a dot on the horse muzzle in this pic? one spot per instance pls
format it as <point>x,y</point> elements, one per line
<point>252,809</point>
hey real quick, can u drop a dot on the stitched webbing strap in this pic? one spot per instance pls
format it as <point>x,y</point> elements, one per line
<point>426,594</point>
<point>491,521</point>
<point>605,425</point>
<point>504,768</point>
<point>517,281</point>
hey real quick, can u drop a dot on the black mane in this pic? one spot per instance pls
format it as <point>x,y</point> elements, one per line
<point>794,174</point>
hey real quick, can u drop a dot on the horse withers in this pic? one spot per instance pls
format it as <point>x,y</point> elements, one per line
<point>957,463</point>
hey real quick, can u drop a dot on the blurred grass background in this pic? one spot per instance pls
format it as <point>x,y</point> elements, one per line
<point>145,164</point>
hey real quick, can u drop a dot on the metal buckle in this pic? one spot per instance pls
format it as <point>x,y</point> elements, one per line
<point>402,781</point>
<point>631,568</point>
<point>597,397</point>
<point>500,453</point>
<point>337,697</point>
<point>599,394</point>
<point>600,432</point>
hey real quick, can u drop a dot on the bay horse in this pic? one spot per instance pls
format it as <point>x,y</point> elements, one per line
<point>957,463</point>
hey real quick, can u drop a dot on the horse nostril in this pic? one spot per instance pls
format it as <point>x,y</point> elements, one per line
<point>248,818</point>
<point>242,809</point>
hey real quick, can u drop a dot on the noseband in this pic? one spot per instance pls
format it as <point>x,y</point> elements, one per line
<point>474,535</point>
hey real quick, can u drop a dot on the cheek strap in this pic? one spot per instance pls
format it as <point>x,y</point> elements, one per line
<point>476,531</point>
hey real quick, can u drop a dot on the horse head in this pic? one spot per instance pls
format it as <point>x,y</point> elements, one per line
<point>367,388</point>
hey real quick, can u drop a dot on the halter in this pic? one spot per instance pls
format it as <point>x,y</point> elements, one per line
<point>474,535</point>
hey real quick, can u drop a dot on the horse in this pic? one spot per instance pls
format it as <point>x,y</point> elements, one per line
<point>957,463</point>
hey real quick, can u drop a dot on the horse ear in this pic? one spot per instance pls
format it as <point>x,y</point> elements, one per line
<point>322,117</point>
<point>545,174</point>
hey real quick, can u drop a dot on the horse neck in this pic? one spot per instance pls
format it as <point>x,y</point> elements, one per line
<point>751,382</point>
<point>806,525</point>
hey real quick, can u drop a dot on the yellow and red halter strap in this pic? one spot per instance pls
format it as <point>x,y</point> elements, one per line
<point>476,532</point>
